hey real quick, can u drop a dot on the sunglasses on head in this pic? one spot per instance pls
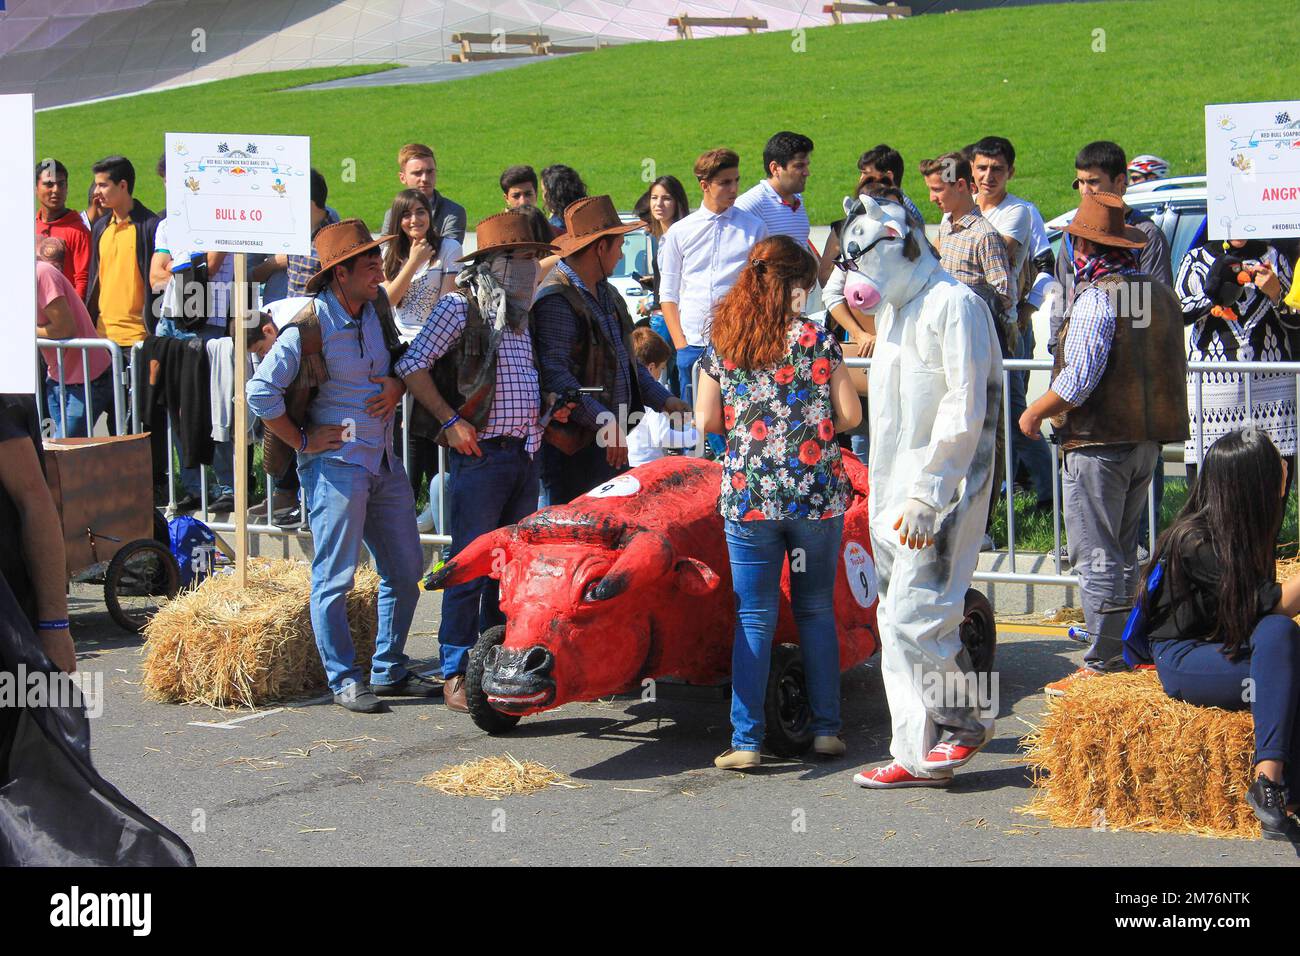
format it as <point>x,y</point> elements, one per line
<point>848,263</point>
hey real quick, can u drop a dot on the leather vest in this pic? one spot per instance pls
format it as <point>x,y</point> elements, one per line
<point>277,457</point>
<point>466,377</point>
<point>1142,394</point>
<point>593,360</point>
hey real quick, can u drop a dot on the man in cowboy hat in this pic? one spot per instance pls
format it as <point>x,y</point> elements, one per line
<point>584,340</point>
<point>471,367</point>
<point>1118,392</point>
<point>338,347</point>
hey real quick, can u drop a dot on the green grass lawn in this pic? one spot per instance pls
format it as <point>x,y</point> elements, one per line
<point>1034,531</point>
<point>925,85</point>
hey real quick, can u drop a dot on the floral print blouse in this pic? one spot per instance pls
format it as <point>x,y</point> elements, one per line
<point>782,459</point>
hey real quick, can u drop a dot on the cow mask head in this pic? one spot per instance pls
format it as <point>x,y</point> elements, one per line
<point>880,252</point>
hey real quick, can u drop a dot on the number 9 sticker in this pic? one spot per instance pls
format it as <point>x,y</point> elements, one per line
<point>861,572</point>
<point>624,486</point>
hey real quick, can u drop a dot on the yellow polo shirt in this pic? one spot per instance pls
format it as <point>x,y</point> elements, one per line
<point>121,289</point>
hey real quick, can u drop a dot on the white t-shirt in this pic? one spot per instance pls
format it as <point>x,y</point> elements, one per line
<point>425,290</point>
<point>219,284</point>
<point>1014,220</point>
<point>653,434</point>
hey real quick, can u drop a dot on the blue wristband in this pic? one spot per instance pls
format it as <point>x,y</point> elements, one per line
<point>303,447</point>
<point>451,421</point>
<point>52,625</point>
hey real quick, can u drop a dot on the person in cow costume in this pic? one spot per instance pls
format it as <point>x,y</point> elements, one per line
<point>935,387</point>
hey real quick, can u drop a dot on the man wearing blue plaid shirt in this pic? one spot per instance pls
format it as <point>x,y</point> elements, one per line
<point>1117,393</point>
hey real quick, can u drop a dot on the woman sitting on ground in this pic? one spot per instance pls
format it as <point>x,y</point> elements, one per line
<point>1220,626</point>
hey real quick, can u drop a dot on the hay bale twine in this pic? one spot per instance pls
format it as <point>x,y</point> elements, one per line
<point>226,647</point>
<point>1119,753</point>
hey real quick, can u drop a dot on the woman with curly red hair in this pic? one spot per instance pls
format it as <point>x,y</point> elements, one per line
<point>776,385</point>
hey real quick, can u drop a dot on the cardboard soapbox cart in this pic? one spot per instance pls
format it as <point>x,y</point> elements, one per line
<point>102,488</point>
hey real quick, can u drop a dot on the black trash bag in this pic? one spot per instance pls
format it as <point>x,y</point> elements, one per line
<point>55,808</point>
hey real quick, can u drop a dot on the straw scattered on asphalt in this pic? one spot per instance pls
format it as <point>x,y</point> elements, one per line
<point>495,777</point>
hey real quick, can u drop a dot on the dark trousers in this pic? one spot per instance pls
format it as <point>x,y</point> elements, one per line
<point>1267,680</point>
<point>484,493</point>
<point>565,477</point>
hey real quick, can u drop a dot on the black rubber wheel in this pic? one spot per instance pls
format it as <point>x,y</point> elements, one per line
<point>140,577</point>
<point>979,632</point>
<point>484,715</point>
<point>786,707</point>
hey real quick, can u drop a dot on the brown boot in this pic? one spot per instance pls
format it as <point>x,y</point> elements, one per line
<point>453,694</point>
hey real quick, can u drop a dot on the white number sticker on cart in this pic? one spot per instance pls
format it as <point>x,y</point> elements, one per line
<point>862,573</point>
<point>624,486</point>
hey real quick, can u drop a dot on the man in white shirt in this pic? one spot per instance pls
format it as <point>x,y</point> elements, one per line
<point>993,163</point>
<point>778,200</point>
<point>701,257</point>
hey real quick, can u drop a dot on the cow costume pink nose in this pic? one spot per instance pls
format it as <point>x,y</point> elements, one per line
<point>861,294</point>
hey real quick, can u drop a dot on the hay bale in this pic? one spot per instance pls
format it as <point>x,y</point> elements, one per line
<point>495,777</point>
<point>226,647</point>
<point>1118,752</point>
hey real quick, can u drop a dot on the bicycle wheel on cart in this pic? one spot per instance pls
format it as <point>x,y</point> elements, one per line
<point>140,577</point>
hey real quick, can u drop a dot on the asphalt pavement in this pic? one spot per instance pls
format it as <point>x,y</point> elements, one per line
<point>314,784</point>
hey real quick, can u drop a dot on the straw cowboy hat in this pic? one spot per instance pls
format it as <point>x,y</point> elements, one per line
<point>339,242</point>
<point>504,231</point>
<point>589,219</point>
<point>1101,219</point>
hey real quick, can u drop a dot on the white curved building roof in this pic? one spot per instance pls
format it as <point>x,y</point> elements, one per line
<point>69,51</point>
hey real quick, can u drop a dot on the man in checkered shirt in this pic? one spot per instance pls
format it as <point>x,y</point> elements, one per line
<point>472,368</point>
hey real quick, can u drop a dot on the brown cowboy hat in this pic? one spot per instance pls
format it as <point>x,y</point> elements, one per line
<point>339,242</point>
<point>589,219</point>
<point>1101,219</point>
<point>505,230</point>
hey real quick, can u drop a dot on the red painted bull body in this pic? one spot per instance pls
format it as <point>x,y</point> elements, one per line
<point>632,581</point>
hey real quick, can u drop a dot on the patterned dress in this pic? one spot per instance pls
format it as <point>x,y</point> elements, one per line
<point>782,459</point>
<point>1258,336</point>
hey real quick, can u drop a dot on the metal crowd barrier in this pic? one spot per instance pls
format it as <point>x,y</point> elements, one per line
<point>1059,577</point>
<point>267,525</point>
<point>119,383</point>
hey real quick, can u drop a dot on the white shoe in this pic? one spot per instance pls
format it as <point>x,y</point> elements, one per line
<point>828,746</point>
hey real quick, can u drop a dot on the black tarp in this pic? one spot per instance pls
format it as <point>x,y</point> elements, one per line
<point>55,808</point>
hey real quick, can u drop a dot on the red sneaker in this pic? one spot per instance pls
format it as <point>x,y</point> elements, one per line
<point>949,755</point>
<point>893,775</point>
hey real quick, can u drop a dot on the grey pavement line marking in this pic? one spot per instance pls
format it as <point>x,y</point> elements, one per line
<point>232,724</point>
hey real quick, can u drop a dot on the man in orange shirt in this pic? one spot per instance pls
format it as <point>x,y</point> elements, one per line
<point>54,218</point>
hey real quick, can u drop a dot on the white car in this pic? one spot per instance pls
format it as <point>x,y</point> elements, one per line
<point>636,259</point>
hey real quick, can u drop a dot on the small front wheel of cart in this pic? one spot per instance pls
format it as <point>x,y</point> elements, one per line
<point>786,708</point>
<point>140,577</point>
<point>485,716</point>
<point>979,632</point>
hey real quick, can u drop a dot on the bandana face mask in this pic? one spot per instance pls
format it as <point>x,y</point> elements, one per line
<point>503,287</point>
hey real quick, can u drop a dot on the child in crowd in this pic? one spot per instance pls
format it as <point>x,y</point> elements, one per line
<point>655,433</point>
<point>1219,624</point>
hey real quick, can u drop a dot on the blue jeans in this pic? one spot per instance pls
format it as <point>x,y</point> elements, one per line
<point>686,359</point>
<point>1197,671</point>
<point>1024,450</point>
<point>483,494</point>
<point>658,325</point>
<point>757,550</point>
<point>347,506</point>
<point>74,399</point>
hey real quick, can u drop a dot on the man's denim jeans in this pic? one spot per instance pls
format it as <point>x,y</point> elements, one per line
<point>483,494</point>
<point>1034,455</point>
<point>74,400</point>
<point>348,505</point>
<point>757,550</point>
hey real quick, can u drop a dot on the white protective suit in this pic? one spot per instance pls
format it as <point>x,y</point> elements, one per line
<point>935,391</point>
